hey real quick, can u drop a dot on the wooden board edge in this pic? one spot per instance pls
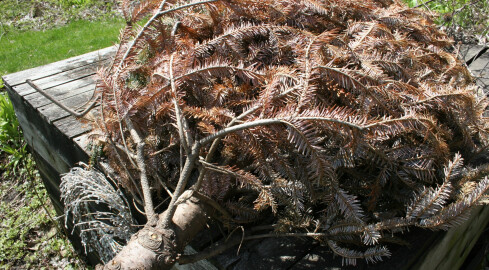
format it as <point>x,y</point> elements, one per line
<point>454,247</point>
<point>16,78</point>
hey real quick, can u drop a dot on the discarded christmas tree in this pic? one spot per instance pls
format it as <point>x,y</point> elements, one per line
<point>343,119</point>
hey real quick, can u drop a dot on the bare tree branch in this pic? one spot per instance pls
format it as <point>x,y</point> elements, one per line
<point>59,104</point>
<point>148,201</point>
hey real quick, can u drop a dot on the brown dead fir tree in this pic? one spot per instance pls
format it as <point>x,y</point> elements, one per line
<point>344,119</point>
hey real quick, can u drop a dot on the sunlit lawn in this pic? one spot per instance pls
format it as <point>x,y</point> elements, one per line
<point>22,50</point>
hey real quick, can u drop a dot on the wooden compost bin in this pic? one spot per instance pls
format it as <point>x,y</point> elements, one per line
<point>58,141</point>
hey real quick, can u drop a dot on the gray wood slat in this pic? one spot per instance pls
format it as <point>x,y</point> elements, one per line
<point>77,62</point>
<point>53,112</point>
<point>469,51</point>
<point>59,79</point>
<point>63,92</point>
<point>484,83</point>
<point>40,141</point>
<point>452,250</point>
<point>51,144</point>
<point>82,141</point>
<point>72,127</point>
<point>480,67</point>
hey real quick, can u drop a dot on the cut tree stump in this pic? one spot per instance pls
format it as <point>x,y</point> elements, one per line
<point>59,141</point>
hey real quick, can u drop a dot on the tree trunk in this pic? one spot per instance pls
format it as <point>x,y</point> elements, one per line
<point>155,247</point>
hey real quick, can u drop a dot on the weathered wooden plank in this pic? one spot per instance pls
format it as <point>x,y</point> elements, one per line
<point>51,181</point>
<point>54,152</point>
<point>72,127</point>
<point>480,66</point>
<point>36,133</point>
<point>484,83</point>
<point>467,52</point>
<point>59,79</point>
<point>77,62</point>
<point>452,250</point>
<point>62,92</point>
<point>480,69</point>
<point>82,141</point>
<point>48,142</point>
<point>53,112</point>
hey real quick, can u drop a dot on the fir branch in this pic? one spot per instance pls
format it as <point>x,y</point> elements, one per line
<point>431,201</point>
<point>457,212</point>
<point>183,130</point>
<point>219,69</point>
<point>349,256</point>
<point>158,14</point>
<point>140,160</point>
<point>141,32</point>
<point>349,206</point>
<point>181,185</point>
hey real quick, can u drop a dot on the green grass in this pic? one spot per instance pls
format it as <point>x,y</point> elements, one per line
<point>23,50</point>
